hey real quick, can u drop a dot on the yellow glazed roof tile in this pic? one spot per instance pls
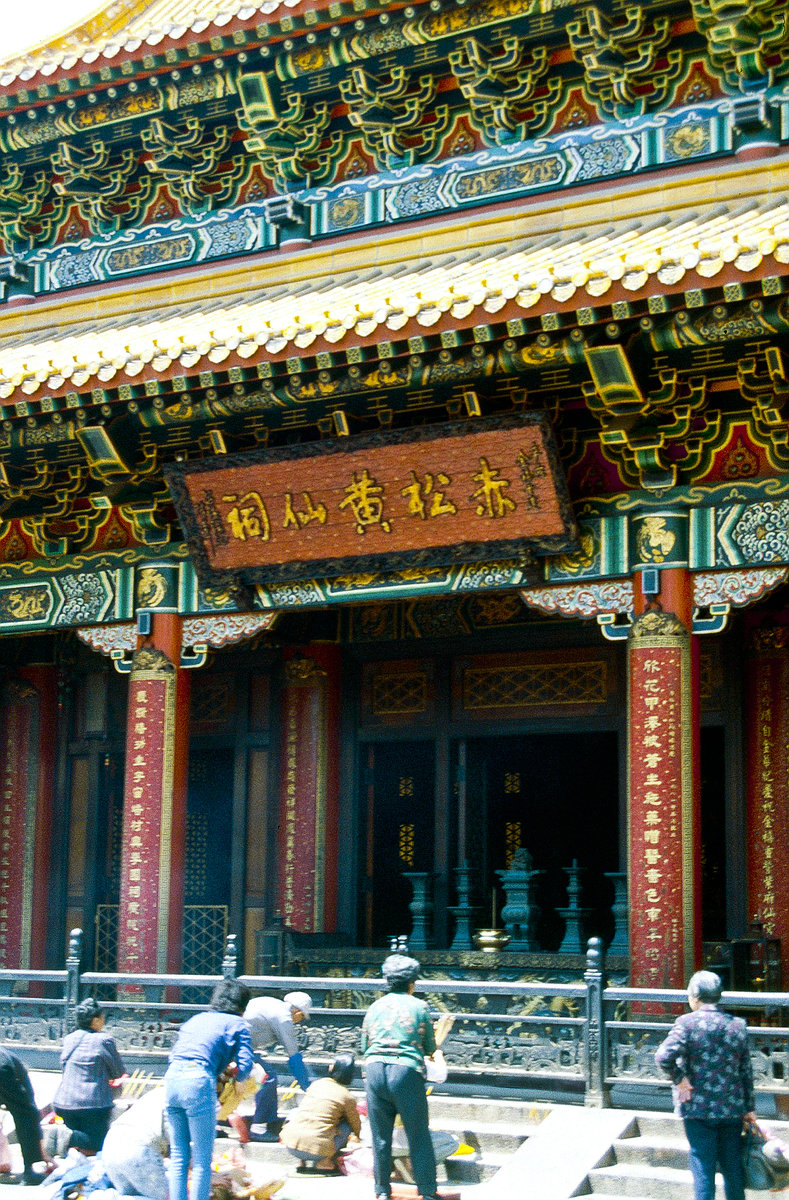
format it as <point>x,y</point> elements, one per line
<point>120,27</point>
<point>381,298</point>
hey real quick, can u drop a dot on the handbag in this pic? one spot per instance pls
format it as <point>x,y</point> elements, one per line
<point>759,1173</point>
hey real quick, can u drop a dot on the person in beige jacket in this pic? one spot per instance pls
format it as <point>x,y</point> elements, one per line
<point>325,1119</point>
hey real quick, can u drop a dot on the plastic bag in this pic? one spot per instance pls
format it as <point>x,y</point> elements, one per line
<point>436,1068</point>
<point>358,1161</point>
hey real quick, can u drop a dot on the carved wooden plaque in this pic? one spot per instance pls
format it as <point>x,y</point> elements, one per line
<point>443,494</point>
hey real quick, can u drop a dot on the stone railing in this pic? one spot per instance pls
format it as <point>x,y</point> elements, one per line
<point>575,1040</point>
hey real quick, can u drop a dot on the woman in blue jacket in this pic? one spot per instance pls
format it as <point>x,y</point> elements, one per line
<point>206,1045</point>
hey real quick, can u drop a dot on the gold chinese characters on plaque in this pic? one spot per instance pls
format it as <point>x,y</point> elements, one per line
<point>452,493</point>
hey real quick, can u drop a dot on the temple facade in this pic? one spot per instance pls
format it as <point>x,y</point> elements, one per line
<point>394,484</point>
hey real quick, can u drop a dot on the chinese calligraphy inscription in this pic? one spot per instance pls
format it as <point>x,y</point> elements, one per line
<point>661,799</point>
<point>147,816</point>
<point>449,494</point>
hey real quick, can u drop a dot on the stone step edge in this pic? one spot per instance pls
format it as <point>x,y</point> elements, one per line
<point>643,1171</point>
<point>652,1143</point>
<point>482,1128</point>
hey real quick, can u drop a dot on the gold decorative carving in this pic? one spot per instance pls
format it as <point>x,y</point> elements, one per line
<point>740,462</point>
<point>188,157</point>
<point>398,693</point>
<point>513,838</point>
<point>654,541</point>
<point>583,558</point>
<point>627,68</point>
<point>151,587</point>
<point>151,660</point>
<point>534,685</point>
<point>406,845</point>
<point>16,691</point>
<point>300,671</point>
<point>98,179</point>
<point>502,86</point>
<point>770,639</point>
<point>398,122</point>
<point>657,624</point>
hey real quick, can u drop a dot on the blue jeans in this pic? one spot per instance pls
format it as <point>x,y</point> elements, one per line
<point>391,1090</point>
<point>190,1098</point>
<point>715,1143</point>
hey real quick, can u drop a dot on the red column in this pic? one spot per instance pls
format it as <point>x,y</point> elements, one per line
<point>29,737</point>
<point>663,787</point>
<point>309,807</point>
<point>768,776</point>
<point>154,806</point>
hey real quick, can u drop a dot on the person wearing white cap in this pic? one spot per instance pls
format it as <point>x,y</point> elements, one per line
<point>272,1023</point>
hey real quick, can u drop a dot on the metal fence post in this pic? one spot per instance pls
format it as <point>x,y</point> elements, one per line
<point>72,977</point>
<point>230,961</point>
<point>595,1041</point>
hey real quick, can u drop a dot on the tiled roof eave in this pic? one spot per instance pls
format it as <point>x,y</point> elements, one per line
<point>84,48</point>
<point>150,357</point>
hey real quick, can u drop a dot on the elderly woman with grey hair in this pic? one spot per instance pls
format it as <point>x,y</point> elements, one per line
<point>397,1036</point>
<point>707,1059</point>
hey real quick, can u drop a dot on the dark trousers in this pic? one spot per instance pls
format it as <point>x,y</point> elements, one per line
<point>394,1090</point>
<point>266,1096</point>
<point>16,1094</point>
<point>716,1144</point>
<point>89,1126</point>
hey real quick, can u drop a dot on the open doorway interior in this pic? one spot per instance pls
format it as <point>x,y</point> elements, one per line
<point>398,818</point>
<point>557,795</point>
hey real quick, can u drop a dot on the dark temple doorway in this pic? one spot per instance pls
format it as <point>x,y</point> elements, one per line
<point>398,822</point>
<point>557,795</point>
<point>207,867</point>
<point>713,834</point>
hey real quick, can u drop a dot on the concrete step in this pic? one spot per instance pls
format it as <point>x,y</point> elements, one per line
<point>653,1152</point>
<point>664,1126</point>
<point>496,1136</point>
<point>465,1169</point>
<point>642,1180</point>
<point>506,1112</point>
<point>468,1169</point>
<point>677,1186</point>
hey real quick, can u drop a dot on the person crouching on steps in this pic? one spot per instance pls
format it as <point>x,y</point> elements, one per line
<point>325,1119</point>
